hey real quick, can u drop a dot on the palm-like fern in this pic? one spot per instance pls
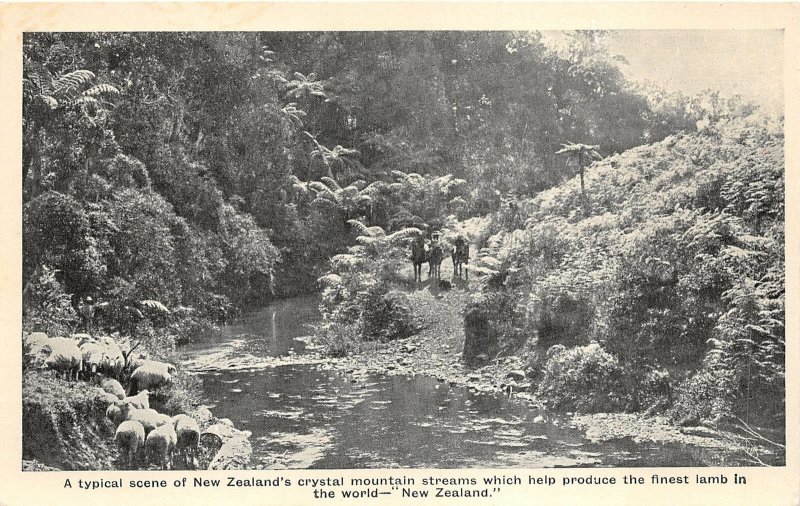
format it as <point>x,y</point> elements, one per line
<point>43,94</point>
<point>40,87</point>
<point>331,158</point>
<point>584,153</point>
<point>303,85</point>
<point>295,115</point>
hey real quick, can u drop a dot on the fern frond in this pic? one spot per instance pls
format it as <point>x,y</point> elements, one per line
<point>346,261</point>
<point>85,100</point>
<point>482,271</point>
<point>49,101</point>
<point>359,227</point>
<point>375,188</point>
<point>360,184</point>
<point>404,234</point>
<point>320,189</point>
<point>366,240</point>
<point>73,80</point>
<point>155,306</point>
<point>349,193</point>
<point>330,183</point>
<point>330,280</point>
<point>325,204</point>
<point>99,89</point>
<point>376,232</point>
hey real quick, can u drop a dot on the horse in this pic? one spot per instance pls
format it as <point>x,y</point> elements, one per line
<point>418,257</point>
<point>435,256</point>
<point>460,257</point>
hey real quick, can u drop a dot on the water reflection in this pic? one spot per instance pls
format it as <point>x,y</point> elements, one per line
<point>303,415</point>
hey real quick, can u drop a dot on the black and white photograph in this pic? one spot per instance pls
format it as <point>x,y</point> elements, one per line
<point>406,249</point>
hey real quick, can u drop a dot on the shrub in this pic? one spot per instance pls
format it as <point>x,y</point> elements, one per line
<point>181,396</point>
<point>191,329</point>
<point>338,340</point>
<point>45,306</point>
<point>709,395</point>
<point>386,315</point>
<point>493,325</point>
<point>584,379</point>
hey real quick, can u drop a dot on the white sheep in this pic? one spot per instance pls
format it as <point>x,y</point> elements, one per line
<point>107,397</point>
<point>65,357</point>
<point>134,361</point>
<point>130,439</point>
<point>116,413</point>
<point>139,401</point>
<point>93,354</point>
<point>188,432</point>
<point>151,375</point>
<point>149,418</point>
<point>37,347</point>
<point>113,358</point>
<point>111,386</point>
<point>160,444</point>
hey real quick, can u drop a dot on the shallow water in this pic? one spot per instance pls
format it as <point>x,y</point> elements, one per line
<point>304,414</point>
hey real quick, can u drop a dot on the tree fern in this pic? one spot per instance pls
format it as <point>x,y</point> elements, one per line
<point>359,227</point>
<point>330,183</point>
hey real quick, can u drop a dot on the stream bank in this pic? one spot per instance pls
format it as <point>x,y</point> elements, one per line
<point>422,407</point>
<point>436,352</point>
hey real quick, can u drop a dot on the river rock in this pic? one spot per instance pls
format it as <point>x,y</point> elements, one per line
<point>234,455</point>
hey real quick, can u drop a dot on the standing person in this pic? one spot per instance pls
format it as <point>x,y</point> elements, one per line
<point>86,312</point>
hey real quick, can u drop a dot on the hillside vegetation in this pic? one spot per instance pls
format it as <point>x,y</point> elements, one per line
<point>674,269</point>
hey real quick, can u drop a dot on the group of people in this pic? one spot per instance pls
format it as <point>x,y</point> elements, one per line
<point>433,252</point>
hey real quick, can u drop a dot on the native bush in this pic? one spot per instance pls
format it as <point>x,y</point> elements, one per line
<point>584,379</point>
<point>45,306</point>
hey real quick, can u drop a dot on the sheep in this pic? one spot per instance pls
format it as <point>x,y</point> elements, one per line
<point>37,347</point>
<point>160,444</point>
<point>110,385</point>
<point>188,432</point>
<point>108,398</point>
<point>113,358</point>
<point>149,418</point>
<point>130,439</point>
<point>134,361</point>
<point>115,413</point>
<point>139,401</point>
<point>65,357</point>
<point>93,354</point>
<point>151,375</point>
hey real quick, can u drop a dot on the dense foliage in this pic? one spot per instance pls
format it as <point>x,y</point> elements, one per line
<point>675,267</point>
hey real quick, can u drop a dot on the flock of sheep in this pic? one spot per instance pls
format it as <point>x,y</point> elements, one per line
<point>143,435</point>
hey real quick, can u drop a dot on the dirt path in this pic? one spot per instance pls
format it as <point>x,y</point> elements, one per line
<point>436,350</point>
